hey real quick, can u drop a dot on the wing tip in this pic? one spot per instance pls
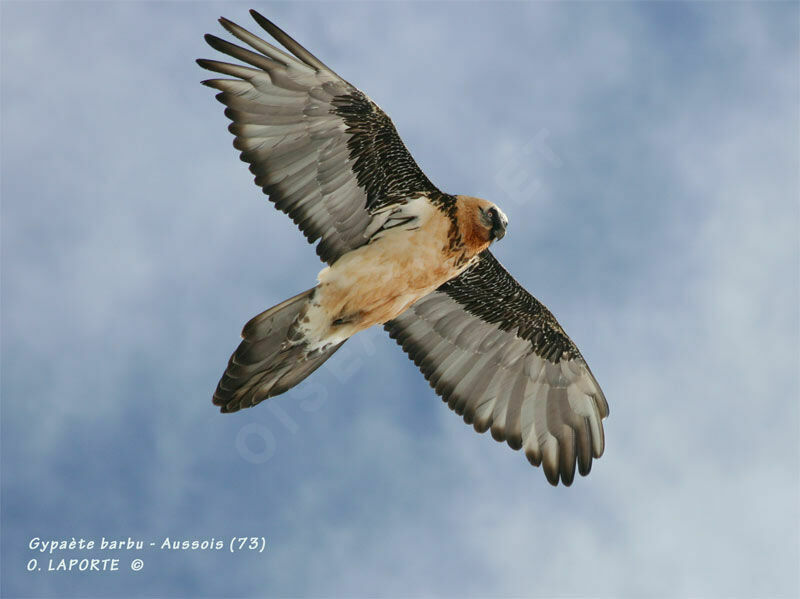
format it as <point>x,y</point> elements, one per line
<point>265,23</point>
<point>216,42</point>
<point>288,42</point>
<point>514,442</point>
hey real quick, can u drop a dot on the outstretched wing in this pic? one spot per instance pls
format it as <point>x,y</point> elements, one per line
<point>498,357</point>
<point>323,151</point>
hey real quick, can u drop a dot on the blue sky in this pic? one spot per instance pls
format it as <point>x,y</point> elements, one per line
<point>647,157</point>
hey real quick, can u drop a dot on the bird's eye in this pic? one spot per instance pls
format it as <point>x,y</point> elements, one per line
<point>489,216</point>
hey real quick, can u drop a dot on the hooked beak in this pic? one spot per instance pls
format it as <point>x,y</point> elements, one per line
<point>499,224</point>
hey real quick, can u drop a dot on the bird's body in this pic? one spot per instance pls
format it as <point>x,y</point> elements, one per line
<point>403,263</point>
<point>400,253</point>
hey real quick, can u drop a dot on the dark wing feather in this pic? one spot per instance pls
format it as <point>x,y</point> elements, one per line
<point>498,357</point>
<point>326,154</point>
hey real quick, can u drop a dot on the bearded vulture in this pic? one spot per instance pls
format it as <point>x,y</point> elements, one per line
<point>399,253</point>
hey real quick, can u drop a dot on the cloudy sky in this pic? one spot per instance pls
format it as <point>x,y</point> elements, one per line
<point>647,156</point>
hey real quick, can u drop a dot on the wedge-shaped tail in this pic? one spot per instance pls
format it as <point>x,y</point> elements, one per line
<point>267,362</point>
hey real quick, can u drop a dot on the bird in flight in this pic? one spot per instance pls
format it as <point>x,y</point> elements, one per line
<point>400,253</point>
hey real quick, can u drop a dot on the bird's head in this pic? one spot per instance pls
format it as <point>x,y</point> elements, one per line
<point>494,220</point>
<point>481,222</point>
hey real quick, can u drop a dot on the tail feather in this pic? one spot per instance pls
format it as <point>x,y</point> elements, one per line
<point>267,362</point>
